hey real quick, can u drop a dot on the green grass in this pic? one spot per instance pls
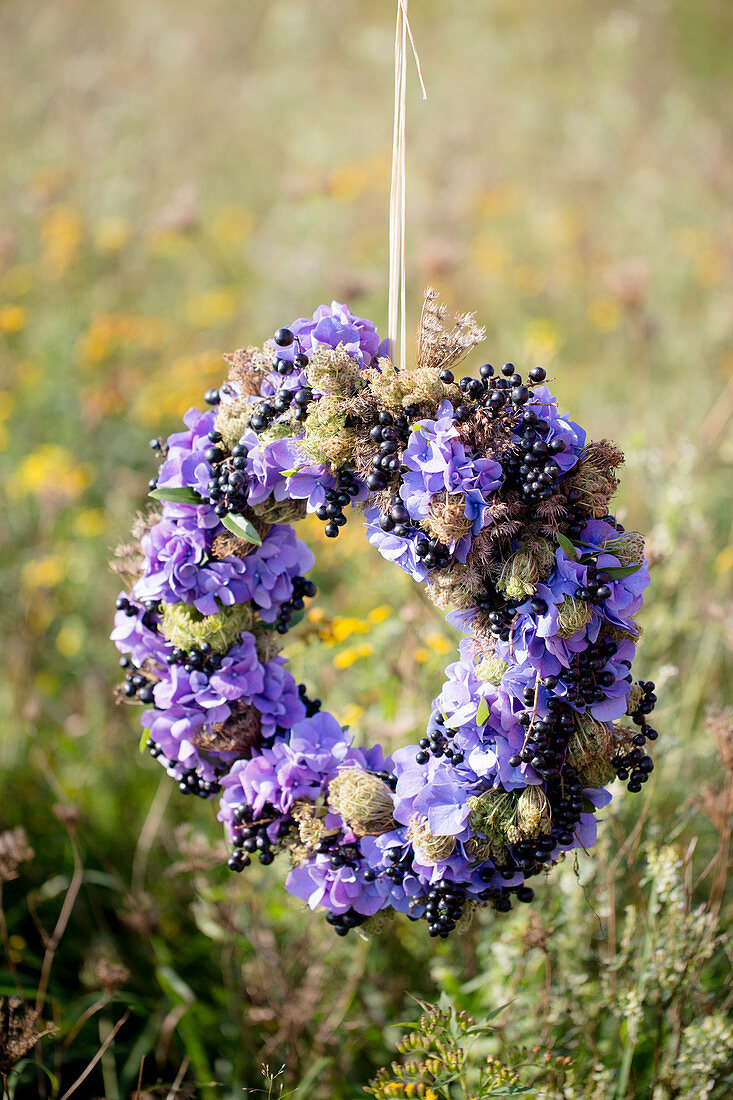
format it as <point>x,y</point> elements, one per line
<point>177,180</point>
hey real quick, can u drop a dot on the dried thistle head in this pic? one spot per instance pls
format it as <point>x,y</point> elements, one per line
<point>14,850</point>
<point>428,847</point>
<point>363,800</point>
<point>443,342</point>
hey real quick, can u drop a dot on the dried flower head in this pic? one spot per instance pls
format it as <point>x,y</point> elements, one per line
<point>19,1033</point>
<point>363,800</point>
<point>14,850</point>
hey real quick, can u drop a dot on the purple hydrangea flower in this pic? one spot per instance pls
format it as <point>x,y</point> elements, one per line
<point>570,433</point>
<point>401,551</point>
<point>437,461</point>
<point>132,635</point>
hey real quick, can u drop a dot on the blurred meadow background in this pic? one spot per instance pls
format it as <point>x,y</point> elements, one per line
<point>177,180</point>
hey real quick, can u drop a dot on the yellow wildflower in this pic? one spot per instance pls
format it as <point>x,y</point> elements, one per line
<point>438,643</point>
<point>12,318</point>
<point>379,614</point>
<point>62,233</point>
<point>45,572</point>
<point>51,470</point>
<point>347,657</point>
<point>70,638</point>
<point>343,627</point>
<point>90,523</point>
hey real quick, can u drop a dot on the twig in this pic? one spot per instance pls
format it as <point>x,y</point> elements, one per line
<point>66,909</point>
<point>107,1042</point>
<point>178,1078</point>
<point>148,833</point>
<point>6,946</point>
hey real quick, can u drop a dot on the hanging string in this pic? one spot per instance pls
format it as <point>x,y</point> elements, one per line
<point>396,314</point>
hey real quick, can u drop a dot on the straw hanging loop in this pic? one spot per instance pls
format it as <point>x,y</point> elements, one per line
<point>403,35</point>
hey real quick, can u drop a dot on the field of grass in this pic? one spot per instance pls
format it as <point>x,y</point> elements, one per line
<point>177,180</point>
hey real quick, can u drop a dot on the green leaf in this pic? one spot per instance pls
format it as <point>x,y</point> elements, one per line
<point>566,545</point>
<point>242,528</point>
<point>291,473</point>
<point>144,736</point>
<point>482,713</point>
<point>616,572</point>
<point>176,494</point>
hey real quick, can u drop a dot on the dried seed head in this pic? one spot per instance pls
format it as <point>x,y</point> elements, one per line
<point>14,850</point>
<point>19,1033</point>
<point>446,519</point>
<point>533,812</point>
<point>363,800</point>
<point>573,615</point>
<point>628,547</point>
<point>440,346</point>
<point>532,563</point>
<point>428,847</point>
<point>186,628</point>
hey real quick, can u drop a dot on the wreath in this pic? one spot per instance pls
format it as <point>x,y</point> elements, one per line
<point>479,489</point>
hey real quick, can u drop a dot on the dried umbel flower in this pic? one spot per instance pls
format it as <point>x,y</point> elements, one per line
<point>628,547</point>
<point>573,615</point>
<point>439,346</point>
<point>594,478</point>
<point>428,848</point>
<point>532,563</point>
<point>447,517</point>
<point>14,850</point>
<point>494,817</point>
<point>491,669</point>
<point>240,732</point>
<point>232,420</point>
<point>247,369</point>
<point>363,800</point>
<point>280,511</point>
<point>327,438</point>
<point>184,627</point>
<point>333,371</point>
<point>19,1033</point>
<point>591,749</point>
<point>534,815</point>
